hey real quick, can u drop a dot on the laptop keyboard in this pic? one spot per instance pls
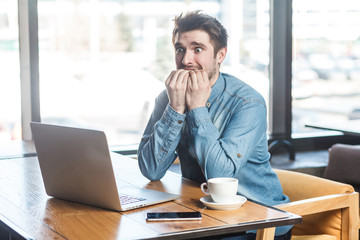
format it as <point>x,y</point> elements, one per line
<point>126,199</point>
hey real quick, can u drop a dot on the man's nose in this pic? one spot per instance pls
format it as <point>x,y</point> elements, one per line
<point>188,58</point>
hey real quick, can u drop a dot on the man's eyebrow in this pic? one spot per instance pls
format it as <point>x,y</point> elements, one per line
<point>198,44</point>
<point>178,44</point>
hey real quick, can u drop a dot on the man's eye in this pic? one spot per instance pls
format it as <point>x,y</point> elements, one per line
<point>179,50</point>
<point>198,49</point>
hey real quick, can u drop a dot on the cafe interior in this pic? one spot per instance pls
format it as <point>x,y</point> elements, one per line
<point>99,64</point>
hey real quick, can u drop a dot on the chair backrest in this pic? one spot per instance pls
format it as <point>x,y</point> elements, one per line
<point>318,203</point>
<point>299,186</point>
<point>344,164</point>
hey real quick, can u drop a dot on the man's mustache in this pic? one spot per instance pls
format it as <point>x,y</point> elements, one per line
<point>190,67</point>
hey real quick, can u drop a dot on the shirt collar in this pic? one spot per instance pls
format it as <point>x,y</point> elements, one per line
<point>217,89</point>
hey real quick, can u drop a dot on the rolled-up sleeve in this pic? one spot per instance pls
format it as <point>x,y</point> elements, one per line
<point>157,148</point>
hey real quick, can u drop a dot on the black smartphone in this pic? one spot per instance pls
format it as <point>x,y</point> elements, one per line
<point>173,216</point>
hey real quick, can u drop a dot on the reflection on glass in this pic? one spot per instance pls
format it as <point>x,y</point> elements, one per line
<point>326,62</point>
<point>102,62</point>
<point>9,74</point>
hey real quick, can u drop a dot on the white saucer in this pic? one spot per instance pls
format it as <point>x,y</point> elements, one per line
<point>238,202</point>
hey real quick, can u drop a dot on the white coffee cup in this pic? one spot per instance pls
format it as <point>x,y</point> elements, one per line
<point>222,189</point>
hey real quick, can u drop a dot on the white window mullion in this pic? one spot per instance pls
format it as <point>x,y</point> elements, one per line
<point>29,65</point>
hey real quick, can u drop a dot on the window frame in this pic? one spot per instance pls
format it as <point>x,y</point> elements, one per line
<point>29,65</point>
<point>280,71</point>
<point>280,75</point>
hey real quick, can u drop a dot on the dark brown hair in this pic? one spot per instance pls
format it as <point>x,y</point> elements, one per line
<point>199,21</point>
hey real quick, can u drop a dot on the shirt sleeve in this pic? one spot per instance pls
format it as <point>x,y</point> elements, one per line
<point>162,134</point>
<point>243,139</point>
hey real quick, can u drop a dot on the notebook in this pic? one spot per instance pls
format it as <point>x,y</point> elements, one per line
<point>75,164</point>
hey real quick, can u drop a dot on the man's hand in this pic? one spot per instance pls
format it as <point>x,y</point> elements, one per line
<point>198,89</point>
<point>176,84</point>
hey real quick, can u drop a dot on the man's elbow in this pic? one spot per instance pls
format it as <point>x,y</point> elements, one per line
<point>150,174</point>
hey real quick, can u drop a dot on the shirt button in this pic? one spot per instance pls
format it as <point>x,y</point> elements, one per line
<point>239,155</point>
<point>180,122</point>
<point>208,104</point>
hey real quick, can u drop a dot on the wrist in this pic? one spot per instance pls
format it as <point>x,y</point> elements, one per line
<point>193,106</point>
<point>178,109</point>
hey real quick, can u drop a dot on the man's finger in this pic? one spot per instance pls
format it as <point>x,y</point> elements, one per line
<point>193,79</point>
<point>183,76</point>
<point>168,80</point>
<point>199,77</point>
<point>205,76</point>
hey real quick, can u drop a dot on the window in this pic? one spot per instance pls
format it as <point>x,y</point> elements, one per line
<point>102,63</point>
<point>247,23</point>
<point>326,62</point>
<point>10,110</point>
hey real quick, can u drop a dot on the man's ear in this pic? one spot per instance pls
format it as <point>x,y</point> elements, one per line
<point>221,54</point>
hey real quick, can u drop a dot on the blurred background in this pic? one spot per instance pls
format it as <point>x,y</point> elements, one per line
<point>102,62</point>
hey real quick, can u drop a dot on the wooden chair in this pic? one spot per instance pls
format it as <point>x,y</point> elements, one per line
<point>330,209</point>
<point>344,165</point>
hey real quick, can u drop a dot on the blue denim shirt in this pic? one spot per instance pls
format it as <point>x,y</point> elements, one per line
<point>227,138</point>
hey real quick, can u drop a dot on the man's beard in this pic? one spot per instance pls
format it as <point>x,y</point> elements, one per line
<point>212,73</point>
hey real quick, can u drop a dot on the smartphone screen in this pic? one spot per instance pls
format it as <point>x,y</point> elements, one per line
<point>173,216</point>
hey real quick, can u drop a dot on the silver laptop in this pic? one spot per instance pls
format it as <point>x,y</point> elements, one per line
<point>75,165</point>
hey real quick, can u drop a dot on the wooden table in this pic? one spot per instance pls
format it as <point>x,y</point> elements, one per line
<point>26,212</point>
<point>26,148</point>
<point>349,127</point>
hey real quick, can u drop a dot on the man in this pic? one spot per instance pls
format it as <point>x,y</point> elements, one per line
<point>215,123</point>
